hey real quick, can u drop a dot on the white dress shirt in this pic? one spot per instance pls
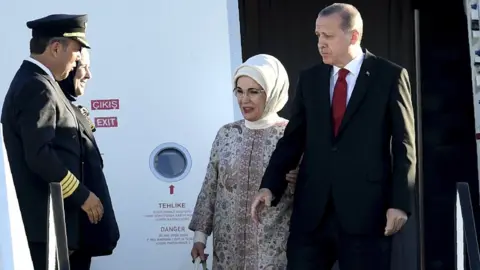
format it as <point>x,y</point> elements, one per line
<point>354,68</point>
<point>42,66</point>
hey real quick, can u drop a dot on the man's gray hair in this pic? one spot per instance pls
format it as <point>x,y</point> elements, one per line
<point>351,18</point>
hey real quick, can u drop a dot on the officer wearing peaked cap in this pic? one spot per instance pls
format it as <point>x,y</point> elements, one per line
<point>41,133</point>
<point>61,25</point>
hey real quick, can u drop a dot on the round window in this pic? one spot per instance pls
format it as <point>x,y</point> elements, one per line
<point>170,162</point>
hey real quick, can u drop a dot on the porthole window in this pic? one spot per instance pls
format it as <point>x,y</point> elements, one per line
<point>170,162</point>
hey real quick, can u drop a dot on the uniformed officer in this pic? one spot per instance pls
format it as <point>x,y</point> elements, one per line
<point>98,239</point>
<point>41,133</point>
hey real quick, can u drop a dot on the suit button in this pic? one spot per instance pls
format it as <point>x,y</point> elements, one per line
<point>334,149</point>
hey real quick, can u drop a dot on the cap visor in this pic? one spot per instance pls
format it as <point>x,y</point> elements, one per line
<point>82,41</point>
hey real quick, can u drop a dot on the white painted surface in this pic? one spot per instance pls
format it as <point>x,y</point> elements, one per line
<point>14,252</point>
<point>170,65</point>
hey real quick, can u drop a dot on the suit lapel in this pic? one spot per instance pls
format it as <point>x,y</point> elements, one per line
<point>61,95</point>
<point>85,126</point>
<point>322,94</point>
<point>89,133</point>
<point>360,89</point>
<point>36,69</point>
<point>86,129</point>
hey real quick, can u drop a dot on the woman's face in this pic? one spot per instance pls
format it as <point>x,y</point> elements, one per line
<point>83,73</point>
<point>251,98</point>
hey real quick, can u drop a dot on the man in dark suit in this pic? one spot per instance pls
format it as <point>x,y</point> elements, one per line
<point>41,134</point>
<point>354,123</point>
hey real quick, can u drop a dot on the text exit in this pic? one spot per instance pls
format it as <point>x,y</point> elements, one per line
<point>106,122</point>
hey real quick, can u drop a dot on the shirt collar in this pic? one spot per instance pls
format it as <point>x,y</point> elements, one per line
<point>353,66</point>
<point>42,66</point>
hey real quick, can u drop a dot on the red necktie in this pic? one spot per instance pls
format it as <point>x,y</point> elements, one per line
<point>339,100</point>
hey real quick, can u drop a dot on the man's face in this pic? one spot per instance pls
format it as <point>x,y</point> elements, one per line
<point>333,42</point>
<point>83,73</point>
<point>66,55</point>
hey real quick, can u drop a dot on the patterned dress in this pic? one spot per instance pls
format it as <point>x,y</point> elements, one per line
<point>238,160</point>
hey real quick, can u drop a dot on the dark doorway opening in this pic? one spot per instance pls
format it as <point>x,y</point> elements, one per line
<point>448,126</point>
<point>285,29</point>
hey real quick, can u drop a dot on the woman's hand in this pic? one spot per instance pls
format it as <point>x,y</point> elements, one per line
<point>292,176</point>
<point>198,250</point>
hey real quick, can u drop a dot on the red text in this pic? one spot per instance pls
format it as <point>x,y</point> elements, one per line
<point>105,104</point>
<point>106,122</point>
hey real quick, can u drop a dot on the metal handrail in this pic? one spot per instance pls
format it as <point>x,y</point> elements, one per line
<point>58,257</point>
<point>466,230</point>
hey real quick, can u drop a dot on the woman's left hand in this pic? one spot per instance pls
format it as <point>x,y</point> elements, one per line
<point>292,176</point>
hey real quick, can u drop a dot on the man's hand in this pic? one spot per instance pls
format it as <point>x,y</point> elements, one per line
<point>198,250</point>
<point>263,198</point>
<point>292,176</point>
<point>396,219</point>
<point>94,208</point>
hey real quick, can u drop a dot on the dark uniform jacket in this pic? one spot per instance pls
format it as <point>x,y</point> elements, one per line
<point>41,136</point>
<point>365,169</point>
<point>97,239</point>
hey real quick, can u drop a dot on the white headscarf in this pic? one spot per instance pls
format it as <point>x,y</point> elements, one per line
<point>271,75</point>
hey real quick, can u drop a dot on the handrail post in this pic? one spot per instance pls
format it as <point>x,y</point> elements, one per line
<point>58,257</point>
<point>466,232</point>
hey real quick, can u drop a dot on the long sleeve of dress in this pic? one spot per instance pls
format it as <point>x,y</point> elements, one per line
<point>202,218</point>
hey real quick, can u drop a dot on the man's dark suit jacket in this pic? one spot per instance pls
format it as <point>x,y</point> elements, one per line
<point>367,167</point>
<point>41,137</point>
<point>97,239</point>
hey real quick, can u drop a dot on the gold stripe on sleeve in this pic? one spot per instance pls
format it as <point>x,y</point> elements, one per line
<point>69,184</point>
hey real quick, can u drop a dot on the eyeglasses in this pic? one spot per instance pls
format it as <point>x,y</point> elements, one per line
<point>251,93</point>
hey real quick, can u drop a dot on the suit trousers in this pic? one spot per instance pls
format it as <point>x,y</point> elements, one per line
<point>80,260</point>
<point>320,249</point>
<point>38,251</point>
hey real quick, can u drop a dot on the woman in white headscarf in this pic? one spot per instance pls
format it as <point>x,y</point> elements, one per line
<point>239,156</point>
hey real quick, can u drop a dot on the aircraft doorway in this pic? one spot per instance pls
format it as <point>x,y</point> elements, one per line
<point>285,29</point>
